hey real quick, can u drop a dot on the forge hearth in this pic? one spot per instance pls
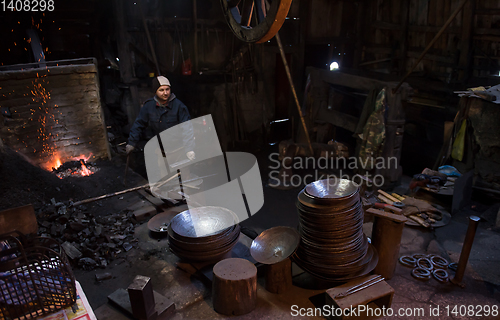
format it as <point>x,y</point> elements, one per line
<point>79,168</point>
<point>55,110</point>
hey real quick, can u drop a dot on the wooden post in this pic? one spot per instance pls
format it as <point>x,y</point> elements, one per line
<point>386,238</point>
<point>279,276</point>
<point>234,287</point>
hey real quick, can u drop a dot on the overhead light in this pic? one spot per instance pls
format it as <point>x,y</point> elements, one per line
<point>334,65</point>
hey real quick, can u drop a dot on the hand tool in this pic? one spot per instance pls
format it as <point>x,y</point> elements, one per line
<point>134,189</point>
<point>360,286</point>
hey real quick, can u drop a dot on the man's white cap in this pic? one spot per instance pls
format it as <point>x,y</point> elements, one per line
<point>160,81</point>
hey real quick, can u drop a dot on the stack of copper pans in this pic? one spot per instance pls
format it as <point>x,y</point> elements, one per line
<point>203,234</point>
<point>333,245</point>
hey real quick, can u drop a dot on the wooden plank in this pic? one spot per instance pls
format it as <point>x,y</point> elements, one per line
<point>458,19</point>
<point>487,31</point>
<point>413,12</point>
<point>144,213</point>
<point>431,20</point>
<point>403,36</point>
<point>422,13</point>
<point>347,80</point>
<point>466,41</point>
<point>338,119</point>
<point>396,11</point>
<point>155,201</point>
<point>488,12</point>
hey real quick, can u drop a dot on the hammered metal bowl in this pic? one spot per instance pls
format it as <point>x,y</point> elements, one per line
<point>274,245</point>
<point>203,234</point>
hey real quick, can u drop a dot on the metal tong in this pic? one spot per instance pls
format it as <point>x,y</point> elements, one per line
<point>360,286</point>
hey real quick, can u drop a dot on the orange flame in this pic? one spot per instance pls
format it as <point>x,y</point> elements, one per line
<point>53,163</point>
<point>85,171</point>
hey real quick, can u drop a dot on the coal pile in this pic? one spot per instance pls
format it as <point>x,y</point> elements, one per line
<point>89,241</point>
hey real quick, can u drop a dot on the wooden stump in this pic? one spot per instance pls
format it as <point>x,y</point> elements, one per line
<point>234,288</point>
<point>279,276</point>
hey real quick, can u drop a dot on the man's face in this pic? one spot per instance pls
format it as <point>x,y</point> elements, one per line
<point>163,93</point>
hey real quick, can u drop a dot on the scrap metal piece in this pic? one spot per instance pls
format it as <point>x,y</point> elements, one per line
<point>275,245</point>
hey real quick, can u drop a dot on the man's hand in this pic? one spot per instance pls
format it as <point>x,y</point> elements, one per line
<point>190,155</point>
<point>129,148</point>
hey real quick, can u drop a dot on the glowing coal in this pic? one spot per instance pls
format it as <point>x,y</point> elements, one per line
<point>78,168</point>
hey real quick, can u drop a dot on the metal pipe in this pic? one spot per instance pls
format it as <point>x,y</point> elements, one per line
<point>429,46</point>
<point>467,246</point>
<point>289,75</point>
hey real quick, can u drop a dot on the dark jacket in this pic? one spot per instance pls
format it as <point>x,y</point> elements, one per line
<point>159,119</point>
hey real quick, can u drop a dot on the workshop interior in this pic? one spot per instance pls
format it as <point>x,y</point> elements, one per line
<point>249,159</point>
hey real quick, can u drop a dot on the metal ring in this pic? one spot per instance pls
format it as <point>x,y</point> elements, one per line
<point>440,275</point>
<point>421,263</point>
<point>439,262</point>
<point>398,204</point>
<point>408,261</point>
<point>421,274</point>
<point>453,266</point>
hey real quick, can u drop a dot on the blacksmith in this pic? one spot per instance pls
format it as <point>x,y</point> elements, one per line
<point>158,114</point>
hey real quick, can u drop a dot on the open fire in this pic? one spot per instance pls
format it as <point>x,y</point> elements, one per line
<point>77,166</point>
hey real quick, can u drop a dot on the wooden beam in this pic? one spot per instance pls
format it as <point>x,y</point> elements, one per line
<point>344,79</point>
<point>338,119</point>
